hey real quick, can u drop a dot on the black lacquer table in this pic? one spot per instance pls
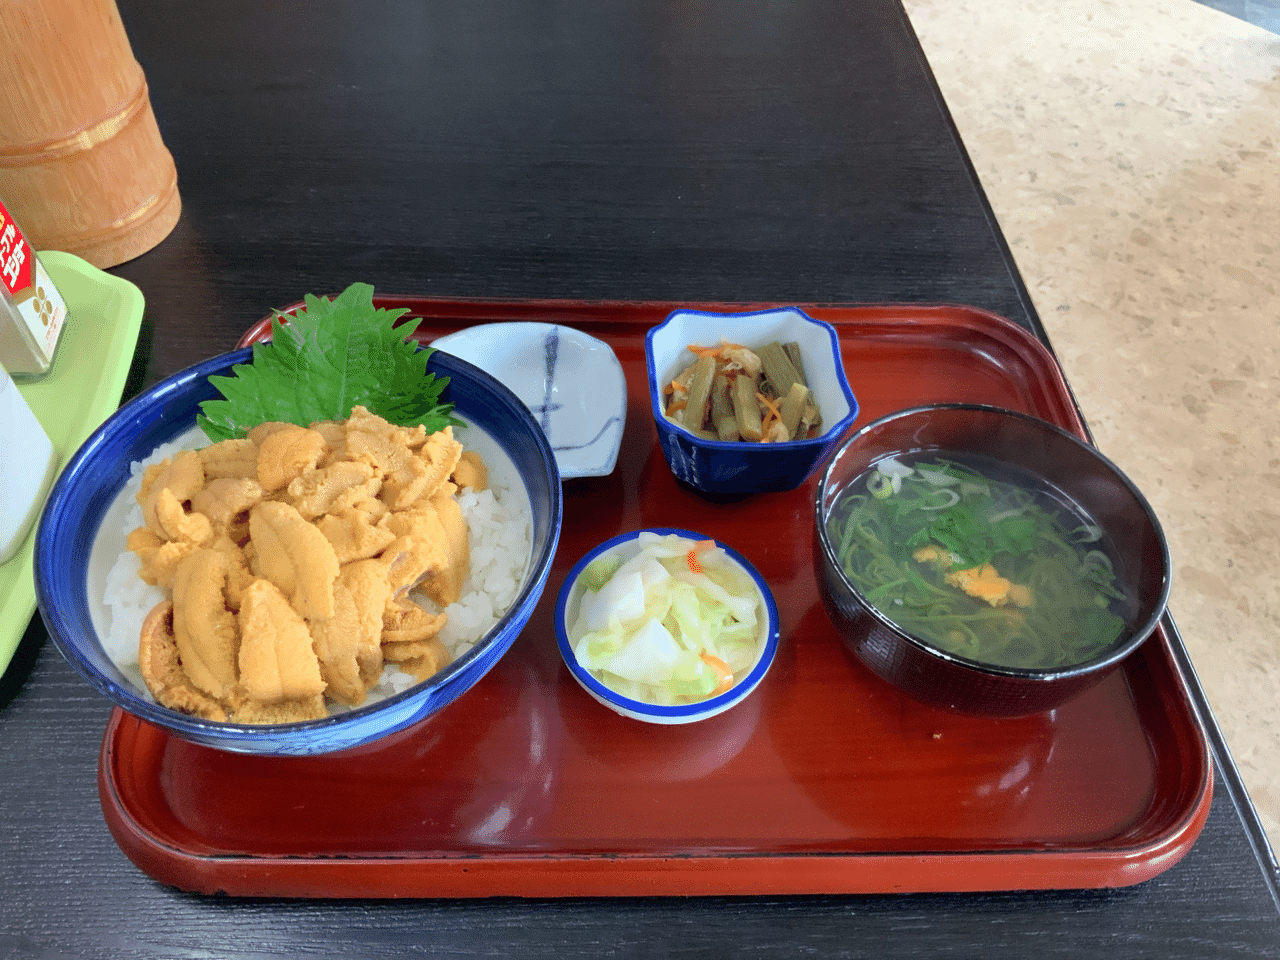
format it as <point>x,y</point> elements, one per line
<point>665,151</point>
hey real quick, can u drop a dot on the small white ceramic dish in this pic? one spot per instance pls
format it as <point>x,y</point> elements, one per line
<point>571,382</point>
<point>625,546</point>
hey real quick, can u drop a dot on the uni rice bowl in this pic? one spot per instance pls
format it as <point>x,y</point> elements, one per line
<point>499,527</point>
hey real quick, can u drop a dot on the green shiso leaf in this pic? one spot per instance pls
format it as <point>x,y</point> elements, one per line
<point>329,357</point>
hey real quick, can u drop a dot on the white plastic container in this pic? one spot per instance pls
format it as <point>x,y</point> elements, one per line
<point>27,467</point>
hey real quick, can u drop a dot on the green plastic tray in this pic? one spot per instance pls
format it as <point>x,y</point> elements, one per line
<point>82,389</point>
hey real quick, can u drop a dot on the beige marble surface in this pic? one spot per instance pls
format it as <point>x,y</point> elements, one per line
<point>1131,151</point>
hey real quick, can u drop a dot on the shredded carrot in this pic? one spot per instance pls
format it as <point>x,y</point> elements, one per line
<point>724,674</point>
<point>773,416</point>
<point>691,558</point>
<point>771,404</point>
<point>675,386</point>
<point>676,406</point>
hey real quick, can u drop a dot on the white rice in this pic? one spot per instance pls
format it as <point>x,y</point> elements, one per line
<point>498,521</point>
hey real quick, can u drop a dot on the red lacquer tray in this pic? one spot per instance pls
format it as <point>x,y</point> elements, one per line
<point>826,780</point>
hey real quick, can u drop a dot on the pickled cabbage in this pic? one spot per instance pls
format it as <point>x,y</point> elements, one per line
<point>677,623</point>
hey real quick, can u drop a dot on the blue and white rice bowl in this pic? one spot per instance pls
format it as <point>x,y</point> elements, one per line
<point>625,546</point>
<point>70,574</point>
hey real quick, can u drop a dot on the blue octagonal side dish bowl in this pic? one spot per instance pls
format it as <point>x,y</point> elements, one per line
<point>69,593</point>
<point>725,469</point>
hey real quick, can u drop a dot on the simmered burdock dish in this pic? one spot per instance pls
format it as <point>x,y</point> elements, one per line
<point>746,403</point>
<point>736,393</point>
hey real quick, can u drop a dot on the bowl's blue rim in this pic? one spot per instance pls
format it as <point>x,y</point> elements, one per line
<point>828,436</point>
<point>437,687</point>
<point>710,706</point>
<point>1035,675</point>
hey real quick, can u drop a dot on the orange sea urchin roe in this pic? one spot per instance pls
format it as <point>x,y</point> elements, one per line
<point>267,545</point>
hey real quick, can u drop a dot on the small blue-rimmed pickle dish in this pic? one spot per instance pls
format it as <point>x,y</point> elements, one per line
<point>747,403</point>
<point>666,626</point>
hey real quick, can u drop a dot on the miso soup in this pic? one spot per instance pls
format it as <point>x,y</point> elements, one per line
<point>987,563</point>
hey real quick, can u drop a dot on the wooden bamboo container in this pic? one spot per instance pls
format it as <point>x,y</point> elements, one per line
<point>82,165</point>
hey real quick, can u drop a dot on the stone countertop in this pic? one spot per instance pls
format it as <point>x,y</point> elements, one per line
<point>1129,151</point>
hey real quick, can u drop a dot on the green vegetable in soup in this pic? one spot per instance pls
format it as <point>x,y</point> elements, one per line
<point>994,570</point>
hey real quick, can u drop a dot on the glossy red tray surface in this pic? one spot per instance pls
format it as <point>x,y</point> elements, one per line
<point>826,780</point>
